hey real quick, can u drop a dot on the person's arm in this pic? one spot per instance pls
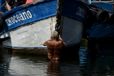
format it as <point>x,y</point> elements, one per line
<point>62,41</point>
<point>7,6</point>
<point>45,43</point>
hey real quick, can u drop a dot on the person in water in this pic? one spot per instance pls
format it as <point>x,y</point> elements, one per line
<point>54,45</point>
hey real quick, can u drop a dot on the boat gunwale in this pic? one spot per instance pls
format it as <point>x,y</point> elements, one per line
<point>21,7</point>
<point>15,10</point>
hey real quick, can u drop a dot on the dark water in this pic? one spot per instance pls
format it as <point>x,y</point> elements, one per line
<point>28,65</point>
<point>40,66</point>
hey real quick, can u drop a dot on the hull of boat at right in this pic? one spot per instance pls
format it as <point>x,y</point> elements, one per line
<point>71,15</point>
<point>72,31</point>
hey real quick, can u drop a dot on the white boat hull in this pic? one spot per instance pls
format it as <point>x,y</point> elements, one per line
<point>34,34</point>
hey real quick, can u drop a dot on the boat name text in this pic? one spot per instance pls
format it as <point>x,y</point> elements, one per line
<point>19,17</point>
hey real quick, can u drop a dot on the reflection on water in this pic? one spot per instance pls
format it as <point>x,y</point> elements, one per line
<point>5,57</point>
<point>23,65</point>
<point>40,66</point>
<point>53,69</point>
<point>101,64</point>
<point>26,66</point>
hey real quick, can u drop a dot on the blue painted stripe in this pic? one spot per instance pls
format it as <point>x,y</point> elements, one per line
<point>106,6</point>
<point>103,30</point>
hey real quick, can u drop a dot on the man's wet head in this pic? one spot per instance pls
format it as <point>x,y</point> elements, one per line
<point>55,35</point>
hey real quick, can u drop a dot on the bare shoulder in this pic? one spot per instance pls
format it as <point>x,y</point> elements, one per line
<point>61,42</point>
<point>47,42</point>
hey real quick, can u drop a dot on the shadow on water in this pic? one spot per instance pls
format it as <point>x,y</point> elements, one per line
<point>5,56</point>
<point>63,69</point>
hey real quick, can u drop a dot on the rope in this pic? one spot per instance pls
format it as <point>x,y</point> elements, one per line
<point>58,28</point>
<point>51,25</point>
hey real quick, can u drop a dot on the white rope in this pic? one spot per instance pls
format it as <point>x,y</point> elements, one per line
<point>51,25</point>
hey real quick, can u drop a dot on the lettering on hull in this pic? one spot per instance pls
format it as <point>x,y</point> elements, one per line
<point>19,17</point>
